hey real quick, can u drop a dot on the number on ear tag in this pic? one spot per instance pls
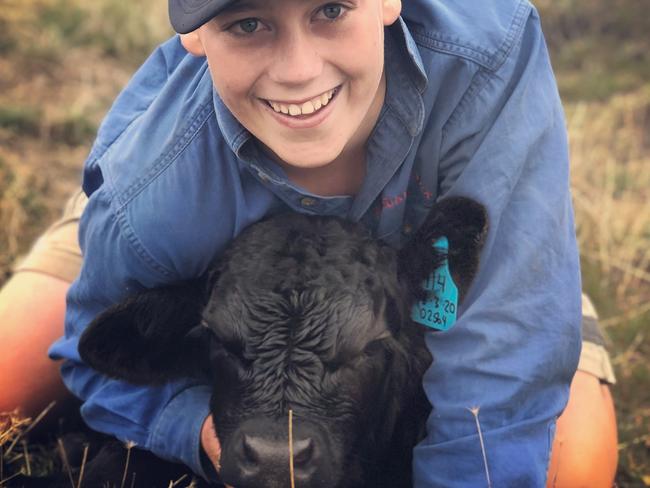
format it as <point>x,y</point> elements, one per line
<point>439,309</point>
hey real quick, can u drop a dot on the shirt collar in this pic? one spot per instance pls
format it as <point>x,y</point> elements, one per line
<point>407,82</point>
<point>405,40</point>
<point>400,121</point>
<point>405,75</point>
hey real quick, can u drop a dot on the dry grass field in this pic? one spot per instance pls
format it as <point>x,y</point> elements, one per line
<point>63,61</point>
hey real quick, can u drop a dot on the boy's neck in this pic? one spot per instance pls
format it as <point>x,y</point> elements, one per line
<point>343,176</point>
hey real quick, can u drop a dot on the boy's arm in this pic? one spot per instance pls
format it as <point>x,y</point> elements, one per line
<point>512,353</point>
<point>164,419</point>
<point>167,419</point>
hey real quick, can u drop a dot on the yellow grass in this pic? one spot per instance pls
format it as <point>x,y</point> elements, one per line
<point>610,157</point>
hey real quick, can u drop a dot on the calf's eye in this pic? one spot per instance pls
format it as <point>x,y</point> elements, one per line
<point>375,347</point>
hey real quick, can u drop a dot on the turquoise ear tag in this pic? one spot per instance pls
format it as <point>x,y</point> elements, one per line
<point>439,310</point>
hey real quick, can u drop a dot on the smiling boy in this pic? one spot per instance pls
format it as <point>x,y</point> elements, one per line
<point>306,81</point>
<point>369,110</point>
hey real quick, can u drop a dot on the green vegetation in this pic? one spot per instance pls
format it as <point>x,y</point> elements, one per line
<point>63,62</point>
<point>22,211</point>
<point>599,47</point>
<point>21,120</point>
<point>44,30</point>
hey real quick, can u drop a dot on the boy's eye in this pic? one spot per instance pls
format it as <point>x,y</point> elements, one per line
<point>248,25</point>
<point>332,10</point>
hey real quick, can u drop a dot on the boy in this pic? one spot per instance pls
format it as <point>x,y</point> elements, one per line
<point>294,105</point>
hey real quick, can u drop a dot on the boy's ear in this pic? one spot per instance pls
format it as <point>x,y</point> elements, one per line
<point>192,43</point>
<point>464,222</point>
<point>152,337</point>
<point>391,10</point>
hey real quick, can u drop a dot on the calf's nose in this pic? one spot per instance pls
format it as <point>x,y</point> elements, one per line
<point>258,455</point>
<point>257,449</point>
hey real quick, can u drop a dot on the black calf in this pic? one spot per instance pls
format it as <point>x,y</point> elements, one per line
<point>306,314</point>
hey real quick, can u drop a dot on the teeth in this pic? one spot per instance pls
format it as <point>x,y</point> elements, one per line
<point>309,107</point>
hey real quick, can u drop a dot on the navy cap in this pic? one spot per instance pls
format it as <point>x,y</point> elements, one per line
<point>187,15</point>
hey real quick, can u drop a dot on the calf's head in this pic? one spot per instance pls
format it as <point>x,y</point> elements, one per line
<point>307,314</point>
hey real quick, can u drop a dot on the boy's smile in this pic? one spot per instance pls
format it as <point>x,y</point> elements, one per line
<point>305,77</point>
<point>303,107</point>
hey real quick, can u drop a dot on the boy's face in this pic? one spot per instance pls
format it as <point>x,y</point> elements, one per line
<point>266,57</point>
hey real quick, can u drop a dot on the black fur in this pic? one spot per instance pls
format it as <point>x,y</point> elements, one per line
<point>308,314</point>
<point>161,341</point>
<point>465,223</point>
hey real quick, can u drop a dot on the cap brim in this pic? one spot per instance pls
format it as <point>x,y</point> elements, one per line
<point>188,15</point>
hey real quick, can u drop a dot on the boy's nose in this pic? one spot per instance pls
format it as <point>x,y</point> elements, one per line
<point>297,60</point>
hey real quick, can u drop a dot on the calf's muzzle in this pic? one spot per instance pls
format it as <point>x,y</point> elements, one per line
<point>258,455</point>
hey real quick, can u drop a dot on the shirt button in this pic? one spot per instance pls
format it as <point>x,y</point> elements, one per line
<point>308,202</point>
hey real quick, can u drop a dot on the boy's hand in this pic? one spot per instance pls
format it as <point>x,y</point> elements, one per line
<point>210,442</point>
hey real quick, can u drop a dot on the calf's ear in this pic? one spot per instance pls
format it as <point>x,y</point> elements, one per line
<point>152,337</point>
<point>464,222</point>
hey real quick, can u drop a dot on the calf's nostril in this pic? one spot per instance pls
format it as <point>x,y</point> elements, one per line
<point>303,451</point>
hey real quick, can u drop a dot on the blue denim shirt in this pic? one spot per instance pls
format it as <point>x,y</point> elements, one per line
<point>471,109</point>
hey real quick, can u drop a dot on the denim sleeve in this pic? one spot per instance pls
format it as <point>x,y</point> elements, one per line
<point>515,347</point>
<point>141,90</point>
<point>165,420</point>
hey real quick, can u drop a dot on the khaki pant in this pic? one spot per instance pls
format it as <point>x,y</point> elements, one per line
<point>57,253</point>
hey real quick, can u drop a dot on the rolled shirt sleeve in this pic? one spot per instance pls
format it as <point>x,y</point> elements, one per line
<point>515,347</point>
<point>166,419</point>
